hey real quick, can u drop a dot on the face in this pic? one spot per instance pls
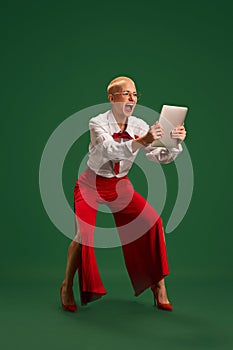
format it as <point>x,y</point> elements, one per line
<point>124,105</point>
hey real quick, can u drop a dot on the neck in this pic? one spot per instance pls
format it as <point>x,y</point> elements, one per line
<point>121,119</point>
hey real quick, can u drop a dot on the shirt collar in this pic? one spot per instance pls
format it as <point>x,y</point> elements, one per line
<point>114,127</point>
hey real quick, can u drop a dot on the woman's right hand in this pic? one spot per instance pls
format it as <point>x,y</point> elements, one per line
<point>155,133</point>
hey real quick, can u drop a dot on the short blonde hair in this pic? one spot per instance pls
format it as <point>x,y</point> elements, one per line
<point>115,84</point>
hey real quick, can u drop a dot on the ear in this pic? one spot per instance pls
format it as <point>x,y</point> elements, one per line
<point>110,97</point>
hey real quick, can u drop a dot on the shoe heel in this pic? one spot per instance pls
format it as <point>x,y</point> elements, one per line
<point>70,308</point>
<point>159,305</point>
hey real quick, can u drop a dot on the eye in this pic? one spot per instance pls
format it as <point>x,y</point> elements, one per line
<point>125,93</point>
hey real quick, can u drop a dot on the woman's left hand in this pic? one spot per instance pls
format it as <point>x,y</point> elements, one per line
<point>179,133</point>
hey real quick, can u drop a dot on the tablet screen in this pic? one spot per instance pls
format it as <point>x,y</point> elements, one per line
<point>170,118</point>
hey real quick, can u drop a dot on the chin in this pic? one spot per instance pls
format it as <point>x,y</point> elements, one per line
<point>128,113</point>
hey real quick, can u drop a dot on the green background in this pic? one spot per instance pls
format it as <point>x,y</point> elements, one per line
<point>56,59</point>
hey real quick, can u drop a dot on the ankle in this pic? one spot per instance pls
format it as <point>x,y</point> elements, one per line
<point>160,287</point>
<point>67,286</point>
<point>160,284</point>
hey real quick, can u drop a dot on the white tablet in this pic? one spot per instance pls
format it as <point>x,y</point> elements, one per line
<point>170,118</point>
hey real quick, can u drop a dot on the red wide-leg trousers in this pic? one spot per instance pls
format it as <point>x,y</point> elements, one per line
<point>139,227</point>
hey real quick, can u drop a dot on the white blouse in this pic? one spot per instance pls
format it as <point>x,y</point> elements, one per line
<point>104,151</point>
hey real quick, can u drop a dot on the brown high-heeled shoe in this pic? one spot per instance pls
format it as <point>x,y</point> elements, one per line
<point>162,306</point>
<point>70,308</point>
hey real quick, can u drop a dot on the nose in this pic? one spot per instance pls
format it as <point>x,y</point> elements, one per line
<point>131,96</point>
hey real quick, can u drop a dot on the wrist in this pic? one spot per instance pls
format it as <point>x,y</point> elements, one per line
<point>142,141</point>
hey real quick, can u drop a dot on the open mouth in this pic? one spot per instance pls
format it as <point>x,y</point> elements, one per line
<point>129,107</point>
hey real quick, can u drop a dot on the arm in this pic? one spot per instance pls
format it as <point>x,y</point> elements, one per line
<point>111,150</point>
<point>103,142</point>
<point>162,154</point>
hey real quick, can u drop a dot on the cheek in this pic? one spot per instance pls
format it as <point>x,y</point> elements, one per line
<point>119,105</point>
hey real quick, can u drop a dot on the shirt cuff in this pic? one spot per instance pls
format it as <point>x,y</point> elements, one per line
<point>128,144</point>
<point>177,149</point>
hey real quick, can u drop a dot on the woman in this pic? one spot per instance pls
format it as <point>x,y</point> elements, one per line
<point>116,137</point>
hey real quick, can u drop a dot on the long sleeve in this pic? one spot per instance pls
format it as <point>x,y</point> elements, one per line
<point>161,154</point>
<point>105,151</point>
<point>102,142</point>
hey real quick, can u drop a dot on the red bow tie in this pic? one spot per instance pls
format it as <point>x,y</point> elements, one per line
<point>120,135</point>
<point>117,136</point>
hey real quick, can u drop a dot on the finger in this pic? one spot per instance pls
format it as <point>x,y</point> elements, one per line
<point>176,135</point>
<point>159,128</point>
<point>181,131</point>
<point>155,128</point>
<point>157,134</point>
<point>158,125</point>
<point>178,128</point>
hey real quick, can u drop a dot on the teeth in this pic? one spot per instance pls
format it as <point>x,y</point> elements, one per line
<point>130,105</point>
